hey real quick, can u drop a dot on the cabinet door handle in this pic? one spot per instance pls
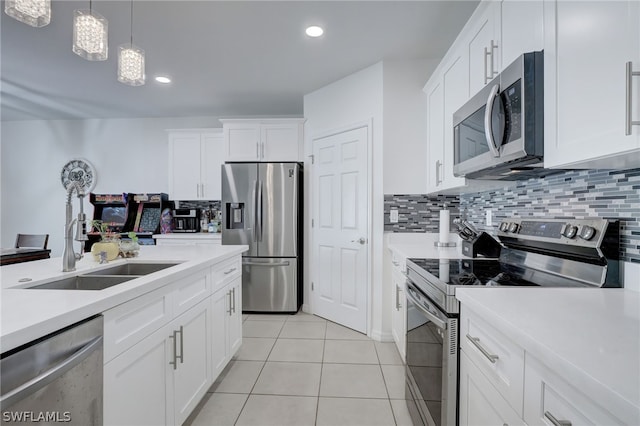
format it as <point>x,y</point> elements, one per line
<point>229,310</point>
<point>476,343</point>
<point>488,60</point>
<point>555,421</point>
<point>262,150</point>
<point>181,345</point>
<point>229,271</point>
<point>233,298</point>
<point>438,178</point>
<point>175,350</point>
<point>398,305</point>
<point>629,92</point>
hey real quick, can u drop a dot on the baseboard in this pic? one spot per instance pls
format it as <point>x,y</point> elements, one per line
<point>381,336</point>
<point>306,308</point>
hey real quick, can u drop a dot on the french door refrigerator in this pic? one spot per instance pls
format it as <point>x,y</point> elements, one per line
<point>262,208</point>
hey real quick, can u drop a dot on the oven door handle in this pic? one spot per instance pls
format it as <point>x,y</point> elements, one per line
<point>488,129</point>
<point>437,321</point>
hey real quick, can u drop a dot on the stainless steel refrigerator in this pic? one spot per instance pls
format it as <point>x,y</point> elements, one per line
<point>262,207</point>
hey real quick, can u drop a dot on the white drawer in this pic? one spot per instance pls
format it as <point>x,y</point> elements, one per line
<point>501,360</point>
<point>549,398</point>
<point>226,271</point>
<point>127,324</point>
<point>190,291</point>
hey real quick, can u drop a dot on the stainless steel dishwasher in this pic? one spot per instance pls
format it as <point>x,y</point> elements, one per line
<point>55,379</point>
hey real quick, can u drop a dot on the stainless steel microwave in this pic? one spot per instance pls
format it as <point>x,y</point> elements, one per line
<point>499,133</point>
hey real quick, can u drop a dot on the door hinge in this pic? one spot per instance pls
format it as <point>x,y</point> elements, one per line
<point>311,285</point>
<point>313,158</point>
<point>312,223</point>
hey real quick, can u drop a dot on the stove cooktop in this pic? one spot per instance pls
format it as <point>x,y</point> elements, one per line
<point>475,272</point>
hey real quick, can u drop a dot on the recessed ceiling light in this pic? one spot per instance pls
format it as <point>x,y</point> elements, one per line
<point>163,79</point>
<point>314,31</point>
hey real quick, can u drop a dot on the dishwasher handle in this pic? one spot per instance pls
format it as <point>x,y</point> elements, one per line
<point>31,386</point>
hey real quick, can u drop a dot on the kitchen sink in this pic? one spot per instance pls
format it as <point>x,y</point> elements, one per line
<point>84,282</point>
<point>105,278</point>
<point>132,269</point>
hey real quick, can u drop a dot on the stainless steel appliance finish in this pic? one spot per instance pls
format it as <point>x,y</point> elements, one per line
<point>262,208</point>
<point>432,361</point>
<point>56,379</point>
<point>537,252</point>
<point>498,134</point>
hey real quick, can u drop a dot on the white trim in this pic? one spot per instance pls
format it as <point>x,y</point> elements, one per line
<point>381,336</point>
<point>368,124</point>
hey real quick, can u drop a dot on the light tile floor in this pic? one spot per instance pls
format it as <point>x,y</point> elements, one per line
<point>303,370</point>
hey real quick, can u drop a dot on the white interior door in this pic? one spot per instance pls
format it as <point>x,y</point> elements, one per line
<point>340,252</point>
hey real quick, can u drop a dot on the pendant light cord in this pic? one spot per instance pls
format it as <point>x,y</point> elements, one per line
<point>131,22</point>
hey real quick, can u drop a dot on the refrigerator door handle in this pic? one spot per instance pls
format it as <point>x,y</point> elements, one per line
<point>260,210</point>
<point>254,231</point>
<point>248,262</point>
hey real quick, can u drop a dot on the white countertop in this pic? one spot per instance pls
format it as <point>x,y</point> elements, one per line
<point>189,236</point>
<point>589,337</point>
<point>29,314</point>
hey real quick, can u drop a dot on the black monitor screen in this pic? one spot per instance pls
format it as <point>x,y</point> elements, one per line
<point>114,216</point>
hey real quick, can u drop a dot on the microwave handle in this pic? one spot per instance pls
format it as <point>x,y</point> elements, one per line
<point>488,130</point>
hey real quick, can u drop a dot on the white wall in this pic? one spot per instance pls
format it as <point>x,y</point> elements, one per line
<point>405,126</point>
<point>130,155</point>
<point>389,94</point>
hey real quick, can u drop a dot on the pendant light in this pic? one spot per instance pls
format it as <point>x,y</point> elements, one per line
<point>36,13</point>
<point>131,61</point>
<point>90,35</point>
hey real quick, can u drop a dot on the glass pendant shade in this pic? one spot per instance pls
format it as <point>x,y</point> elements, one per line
<point>130,65</point>
<point>90,35</point>
<point>36,13</point>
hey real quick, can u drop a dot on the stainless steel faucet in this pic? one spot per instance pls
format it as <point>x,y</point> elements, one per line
<point>69,257</point>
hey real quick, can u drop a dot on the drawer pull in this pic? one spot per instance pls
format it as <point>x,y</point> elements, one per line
<point>229,271</point>
<point>476,343</point>
<point>555,421</point>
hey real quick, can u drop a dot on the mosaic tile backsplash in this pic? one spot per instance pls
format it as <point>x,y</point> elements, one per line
<point>610,194</point>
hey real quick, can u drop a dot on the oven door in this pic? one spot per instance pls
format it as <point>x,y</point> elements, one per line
<point>432,361</point>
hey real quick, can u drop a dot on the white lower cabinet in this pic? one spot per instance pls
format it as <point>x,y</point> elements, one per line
<point>503,384</point>
<point>480,403</point>
<point>164,349</point>
<point>551,400</point>
<point>137,384</point>
<point>226,324</point>
<point>191,366</point>
<point>399,309</point>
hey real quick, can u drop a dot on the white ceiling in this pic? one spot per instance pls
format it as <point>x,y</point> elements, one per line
<point>226,58</point>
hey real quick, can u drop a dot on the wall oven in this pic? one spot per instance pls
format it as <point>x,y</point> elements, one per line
<point>432,361</point>
<point>498,133</point>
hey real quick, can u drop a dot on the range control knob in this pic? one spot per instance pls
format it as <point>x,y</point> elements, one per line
<point>587,232</point>
<point>504,226</point>
<point>570,231</point>
<point>513,227</point>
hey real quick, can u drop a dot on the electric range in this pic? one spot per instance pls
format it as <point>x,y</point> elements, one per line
<point>536,252</point>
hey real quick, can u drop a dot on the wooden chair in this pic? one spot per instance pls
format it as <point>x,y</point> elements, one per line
<point>31,240</point>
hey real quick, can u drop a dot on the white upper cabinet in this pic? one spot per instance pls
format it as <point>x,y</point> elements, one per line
<point>522,29</point>
<point>195,158</point>
<point>483,46</point>
<point>435,134</point>
<point>590,100</point>
<point>263,139</point>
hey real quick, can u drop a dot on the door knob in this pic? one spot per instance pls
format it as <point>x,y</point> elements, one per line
<point>360,240</point>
